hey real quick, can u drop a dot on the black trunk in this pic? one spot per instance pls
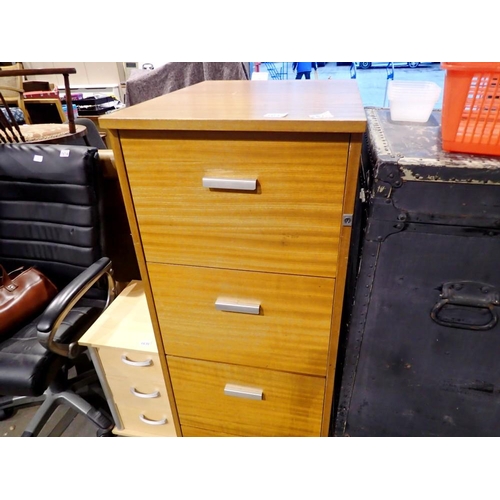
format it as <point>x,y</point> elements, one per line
<point>421,346</point>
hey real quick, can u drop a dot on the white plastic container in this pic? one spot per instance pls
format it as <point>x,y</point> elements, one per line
<point>412,101</point>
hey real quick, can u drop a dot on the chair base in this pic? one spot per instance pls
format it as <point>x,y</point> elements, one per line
<point>9,404</point>
<point>56,395</point>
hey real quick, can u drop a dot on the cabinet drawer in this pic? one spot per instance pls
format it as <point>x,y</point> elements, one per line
<point>149,414</point>
<point>147,393</point>
<point>134,365</point>
<point>290,222</point>
<point>155,421</point>
<point>284,323</point>
<point>290,404</point>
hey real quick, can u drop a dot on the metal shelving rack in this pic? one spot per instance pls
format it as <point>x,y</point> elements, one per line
<point>275,72</point>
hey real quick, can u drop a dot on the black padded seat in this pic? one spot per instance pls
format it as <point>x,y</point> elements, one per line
<point>26,367</point>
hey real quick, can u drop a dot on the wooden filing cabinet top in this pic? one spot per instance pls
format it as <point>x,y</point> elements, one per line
<point>309,106</point>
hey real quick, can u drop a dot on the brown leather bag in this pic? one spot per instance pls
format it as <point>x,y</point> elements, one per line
<point>23,295</point>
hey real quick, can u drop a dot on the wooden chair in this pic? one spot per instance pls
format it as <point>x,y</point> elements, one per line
<point>12,132</point>
<point>11,88</point>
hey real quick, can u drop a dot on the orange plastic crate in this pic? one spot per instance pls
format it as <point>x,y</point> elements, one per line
<point>470,119</point>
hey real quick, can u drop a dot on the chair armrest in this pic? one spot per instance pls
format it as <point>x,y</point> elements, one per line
<point>65,301</point>
<point>107,160</point>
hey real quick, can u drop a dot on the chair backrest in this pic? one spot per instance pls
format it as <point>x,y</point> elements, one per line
<point>93,137</point>
<point>9,129</point>
<point>12,86</point>
<point>50,209</point>
<point>12,101</point>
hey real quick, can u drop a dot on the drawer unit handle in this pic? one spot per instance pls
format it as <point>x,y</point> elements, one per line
<point>138,394</point>
<point>127,361</point>
<point>146,420</point>
<point>240,391</point>
<point>237,305</point>
<point>240,184</point>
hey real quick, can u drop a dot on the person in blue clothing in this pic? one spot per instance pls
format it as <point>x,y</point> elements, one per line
<point>304,69</point>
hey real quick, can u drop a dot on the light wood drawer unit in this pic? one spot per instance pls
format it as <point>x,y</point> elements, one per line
<point>138,389</point>
<point>123,349</point>
<point>241,223</point>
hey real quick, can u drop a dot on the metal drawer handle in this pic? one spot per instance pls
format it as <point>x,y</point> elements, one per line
<point>240,184</point>
<point>237,305</point>
<point>138,394</point>
<point>127,361</point>
<point>146,420</point>
<point>240,391</point>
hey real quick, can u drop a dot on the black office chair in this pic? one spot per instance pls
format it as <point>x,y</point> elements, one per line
<point>50,217</point>
<point>92,138</point>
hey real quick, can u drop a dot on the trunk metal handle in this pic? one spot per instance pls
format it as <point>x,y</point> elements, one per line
<point>472,294</point>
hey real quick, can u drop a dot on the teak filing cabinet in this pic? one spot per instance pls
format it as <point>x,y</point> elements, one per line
<point>240,197</point>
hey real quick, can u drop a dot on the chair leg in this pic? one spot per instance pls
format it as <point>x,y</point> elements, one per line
<point>68,398</point>
<point>41,416</point>
<point>80,405</point>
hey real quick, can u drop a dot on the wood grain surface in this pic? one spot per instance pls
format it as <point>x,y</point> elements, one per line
<point>291,405</point>
<point>290,333</point>
<point>290,224</point>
